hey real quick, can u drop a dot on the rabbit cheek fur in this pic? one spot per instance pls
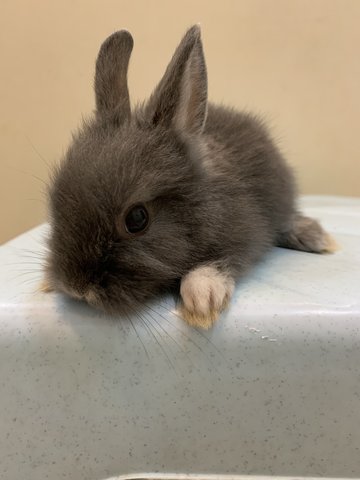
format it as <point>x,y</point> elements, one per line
<point>218,192</point>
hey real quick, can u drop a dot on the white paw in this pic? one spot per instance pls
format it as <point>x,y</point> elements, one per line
<point>205,292</point>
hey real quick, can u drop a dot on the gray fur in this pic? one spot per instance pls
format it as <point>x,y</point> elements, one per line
<point>218,189</point>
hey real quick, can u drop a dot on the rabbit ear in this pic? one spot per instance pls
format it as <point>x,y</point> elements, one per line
<point>111,90</point>
<point>180,99</point>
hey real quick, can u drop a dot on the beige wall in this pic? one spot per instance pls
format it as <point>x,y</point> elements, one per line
<point>296,61</point>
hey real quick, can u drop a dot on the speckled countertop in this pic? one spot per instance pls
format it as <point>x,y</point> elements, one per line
<point>272,389</point>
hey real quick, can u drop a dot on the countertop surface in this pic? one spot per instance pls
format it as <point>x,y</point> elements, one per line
<point>272,389</point>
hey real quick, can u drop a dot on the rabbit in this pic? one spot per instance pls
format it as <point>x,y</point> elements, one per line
<point>177,195</point>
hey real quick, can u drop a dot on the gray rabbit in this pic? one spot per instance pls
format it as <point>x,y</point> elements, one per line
<point>179,194</point>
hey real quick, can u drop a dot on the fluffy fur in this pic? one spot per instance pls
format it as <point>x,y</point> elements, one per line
<point>218,191</point>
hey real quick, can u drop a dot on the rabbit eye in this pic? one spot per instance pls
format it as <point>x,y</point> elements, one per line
<point>137,219</point>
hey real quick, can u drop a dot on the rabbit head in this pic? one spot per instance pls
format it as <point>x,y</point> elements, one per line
<point>125,203</point>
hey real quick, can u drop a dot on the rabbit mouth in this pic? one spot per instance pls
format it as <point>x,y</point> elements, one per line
<point>112,301</point>
<point>89,296</point>
<point>95,299</point>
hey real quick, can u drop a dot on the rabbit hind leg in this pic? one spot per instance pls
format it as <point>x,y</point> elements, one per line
<point>307,235</point>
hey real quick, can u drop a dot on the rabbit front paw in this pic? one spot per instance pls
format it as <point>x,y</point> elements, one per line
<point>205,293</point>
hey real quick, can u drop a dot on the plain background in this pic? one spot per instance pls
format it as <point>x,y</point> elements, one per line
<point>296,62</point>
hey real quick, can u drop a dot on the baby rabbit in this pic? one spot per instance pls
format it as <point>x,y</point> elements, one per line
<point>176,194</point>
